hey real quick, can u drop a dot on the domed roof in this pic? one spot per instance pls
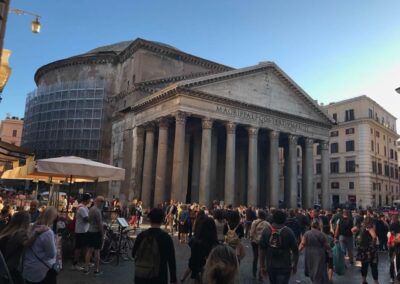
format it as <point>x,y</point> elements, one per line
<point>115,47</point>
<point>163,44</point>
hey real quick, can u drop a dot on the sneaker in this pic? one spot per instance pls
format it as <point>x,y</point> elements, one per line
<point>98,273</point>
<point>91,264</point>
<point>86,271</point>
<point>77,267</point>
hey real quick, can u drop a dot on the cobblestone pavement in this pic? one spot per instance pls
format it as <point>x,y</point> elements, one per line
<point>123,273</point>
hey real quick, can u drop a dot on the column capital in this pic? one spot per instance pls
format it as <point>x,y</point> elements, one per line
<point>308,142</point>
<point>324,145</point>
<point>180,117</point>
<point>150,126</point>
<point>230,127</point>
<point>293,139</point>
<point>253,131</point>
<point>139,131</point>
<point>207,123</point>
<point>274,134</point>
<point>163,122</point>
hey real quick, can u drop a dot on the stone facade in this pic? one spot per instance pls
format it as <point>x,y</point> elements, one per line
<point>191,129</point>
<point>363,154</point>
<point>219,137</point>
<point>11,130</point>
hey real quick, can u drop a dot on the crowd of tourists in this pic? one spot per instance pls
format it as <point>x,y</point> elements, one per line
<point>29,243</point>
<point>216,237</point>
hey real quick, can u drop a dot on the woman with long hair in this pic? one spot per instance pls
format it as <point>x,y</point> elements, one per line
<point>222,266</point>
<point>13,240</point>
<point>200,246</point>
<point>40,264</point>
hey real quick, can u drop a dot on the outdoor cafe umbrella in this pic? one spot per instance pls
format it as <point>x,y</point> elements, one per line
<point>27,172</point>
<point>76,167</point>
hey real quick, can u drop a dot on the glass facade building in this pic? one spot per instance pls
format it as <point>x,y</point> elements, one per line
<point>65,119</point>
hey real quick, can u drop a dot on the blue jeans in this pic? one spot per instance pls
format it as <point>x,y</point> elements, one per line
<point>279,276</point>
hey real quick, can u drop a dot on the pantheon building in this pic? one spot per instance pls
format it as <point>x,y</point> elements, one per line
<point>184,128</point>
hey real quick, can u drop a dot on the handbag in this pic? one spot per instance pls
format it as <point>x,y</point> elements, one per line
<point>55,267</point>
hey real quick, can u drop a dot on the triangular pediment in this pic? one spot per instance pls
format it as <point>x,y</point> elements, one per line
<point>264,85</point>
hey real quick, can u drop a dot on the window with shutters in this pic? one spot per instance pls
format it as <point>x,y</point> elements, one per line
<point>318,168</point>
<point>334,148</point>
<point>350,166</point>
<point>334,133</point>
<point>335,167</point>
<point>349,145</point>
<point>349,115</point>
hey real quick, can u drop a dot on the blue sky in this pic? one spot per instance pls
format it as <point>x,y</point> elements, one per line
<point>332,49</point>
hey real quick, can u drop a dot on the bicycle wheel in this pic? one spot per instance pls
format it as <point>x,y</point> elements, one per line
<point>105,252</point>
<point>126,248</point>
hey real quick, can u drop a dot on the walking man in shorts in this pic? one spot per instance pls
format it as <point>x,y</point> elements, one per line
<point>81,228</point>
<point>95,235</point>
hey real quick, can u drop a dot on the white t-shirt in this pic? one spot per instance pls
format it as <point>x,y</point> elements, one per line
<point>81,213</point>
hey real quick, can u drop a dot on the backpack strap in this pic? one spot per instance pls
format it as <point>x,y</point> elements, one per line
<point>258,223</point>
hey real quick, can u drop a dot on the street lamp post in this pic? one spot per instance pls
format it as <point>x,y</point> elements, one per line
<point>5,70</point>
<point>36,25</point>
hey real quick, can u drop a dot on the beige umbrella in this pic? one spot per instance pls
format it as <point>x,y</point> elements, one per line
<point>80,168</point>
<point>76,167</point>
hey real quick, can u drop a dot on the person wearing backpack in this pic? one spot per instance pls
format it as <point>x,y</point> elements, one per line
<point>278,250</point>
<point>367,251</point>
<point>234,232</point>
<point>293,224</point>
<point>344,233</point>
<point>257,227</point>
<point>154,252</point>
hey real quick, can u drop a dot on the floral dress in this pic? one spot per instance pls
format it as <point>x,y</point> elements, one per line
<point>366,250</point>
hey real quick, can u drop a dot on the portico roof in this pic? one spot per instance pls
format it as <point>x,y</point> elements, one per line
<point>194,84</point>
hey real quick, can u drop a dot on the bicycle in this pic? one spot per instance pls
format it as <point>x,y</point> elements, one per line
<point>116,244</point>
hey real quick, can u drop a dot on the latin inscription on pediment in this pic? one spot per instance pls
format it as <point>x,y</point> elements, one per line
<point>261,119</point>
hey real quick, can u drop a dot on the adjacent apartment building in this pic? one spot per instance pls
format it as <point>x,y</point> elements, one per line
<point>363,150</point>
<point>11,130</point>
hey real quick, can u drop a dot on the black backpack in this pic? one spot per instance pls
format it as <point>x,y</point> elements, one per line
<point>147,258</point>
<point>275,240</point>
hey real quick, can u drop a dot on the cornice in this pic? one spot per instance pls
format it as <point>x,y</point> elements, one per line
<point>113,57</point>
<point>76,60</point>
<point>170,52</point>
<point>266,66</point>
<point>358,121</point>
<point>172,79</point>
<point>174,91</point>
